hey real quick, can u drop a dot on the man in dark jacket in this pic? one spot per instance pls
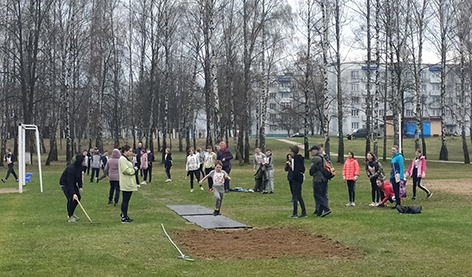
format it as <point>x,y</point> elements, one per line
<point>320,183</point>
<point>71,177</point>
<point>296,168</point>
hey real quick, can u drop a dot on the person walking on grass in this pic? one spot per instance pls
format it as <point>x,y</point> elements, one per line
<point>151,159</point>
<point>351,173</point>
<point>417,170</point>
<point>95,164</point>
<point>168,164</point>
<point>71,184</point>
<point>269,164</point>
<point>10,160</point>
<point>320,183</point>
<point>144,166</point>
<point>193,168</point>
<point>397,172</point>
<point>374,170</point>
<point>112,171</point>
<point>295,167</point>
<point>127,180</point>
<point>209,161</point>
<point>219,176</point>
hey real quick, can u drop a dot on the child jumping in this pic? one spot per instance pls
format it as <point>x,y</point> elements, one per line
<point>218,175</point>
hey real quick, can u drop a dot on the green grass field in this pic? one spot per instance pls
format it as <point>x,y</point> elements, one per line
<point>37,240</point>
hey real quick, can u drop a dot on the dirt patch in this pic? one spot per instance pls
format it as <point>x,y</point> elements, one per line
<point>8,190</point>
<point>262,243</point>
<point>458,186</point>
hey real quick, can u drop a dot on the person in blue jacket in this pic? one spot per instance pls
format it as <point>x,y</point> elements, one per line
<point>397,172</point>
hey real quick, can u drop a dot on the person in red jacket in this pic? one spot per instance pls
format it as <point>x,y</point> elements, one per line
<point>351,174</point>
<point>387,189</point>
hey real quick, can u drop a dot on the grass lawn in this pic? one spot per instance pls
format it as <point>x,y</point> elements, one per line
<point>37,240</point>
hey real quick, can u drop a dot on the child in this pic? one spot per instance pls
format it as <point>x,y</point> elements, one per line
<point>209,161</point>
<point>350,174</point>
<point>417,171</point>
<point>219,177</point>
<point>387,189</point>
<point>168,163</point>
<point>193,168</point>
<point>10,159</point>
<point>269,164</point>
<point>144,165</point>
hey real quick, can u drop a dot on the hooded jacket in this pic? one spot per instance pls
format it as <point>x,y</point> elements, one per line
<point>316,169</point>
<point>397,166</point>
<point>72,175</point>
<point>111,168</point>
<point>420,165</point>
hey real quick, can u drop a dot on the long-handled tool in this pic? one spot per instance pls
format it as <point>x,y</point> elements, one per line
<point>86,213</point>
<point>182,256</point>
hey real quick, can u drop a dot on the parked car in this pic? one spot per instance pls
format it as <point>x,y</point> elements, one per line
<point>359,133</point>
<point>297,135</point>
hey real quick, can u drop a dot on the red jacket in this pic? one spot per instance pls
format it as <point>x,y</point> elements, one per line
<point>387,190</point>
<point>351,169</point>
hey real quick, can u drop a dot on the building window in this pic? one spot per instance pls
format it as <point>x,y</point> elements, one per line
<point>273,127</point>
<point>354,87</point>
<point>285,105</point>
<point>273,116</point>
<point>410,112</point>
<point>354,112</point>
<point>354,75</point>
<point>436,112</point>
<point>355,125</point>
<point>272,95</point>
<point>381,112</point>
<point>272,106</point>
<point>355,100</point>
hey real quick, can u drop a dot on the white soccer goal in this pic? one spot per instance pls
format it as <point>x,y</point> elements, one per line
<point>22,128</point>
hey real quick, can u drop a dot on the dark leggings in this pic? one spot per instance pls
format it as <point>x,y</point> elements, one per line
<point>125,203</point>
<point>376,192</point>
<point>11,170</point>
<point>416,181</point>
<point>197,175</point>
<point>150,173</point>
<point>396,190</point>
<point>168,172</point>
<point>145,174</point>
<point>351,185</point>
<point>296,188</point>
<point>114,189</point>
<point>71,203</point>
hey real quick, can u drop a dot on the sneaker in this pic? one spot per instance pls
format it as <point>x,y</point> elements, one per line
<point>17,180</point>
<point>293,216</point>
<point>126,220</point>
<point>430,194</point>
<point>316,212</point>
<point>138,186</point>
<point>216,213</point>
<point>265,192</point>
<point>72,219</point>
<point>210,190</point>
<point>76,217</point>
<point>381,205</point>
<point>201,188</point>
<point>325,213</point>
<point>348,204</point>
<point>143,183</point>
<point>168,180</point>
<point>304,215</point>
<point>191,190</point>
<point>373,204</point>
<point>272,192</point>
<point>413,198</point>
<point>353,204</point>
<point>3,180</point>
<point>110,202</point>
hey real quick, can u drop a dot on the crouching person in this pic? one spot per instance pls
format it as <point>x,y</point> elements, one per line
<point>387,190</point>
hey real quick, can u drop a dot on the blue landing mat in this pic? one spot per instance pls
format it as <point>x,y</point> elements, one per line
<point>204,217</point>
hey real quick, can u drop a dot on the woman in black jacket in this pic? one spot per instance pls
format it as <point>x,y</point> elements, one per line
<point>296,168</point>
<point>70,179</point>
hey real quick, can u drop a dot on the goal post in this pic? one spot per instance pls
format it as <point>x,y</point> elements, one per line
<point>22,128</point>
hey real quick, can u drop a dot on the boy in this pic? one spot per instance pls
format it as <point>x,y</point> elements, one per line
<point>387,189</point>
<point>219,177</point>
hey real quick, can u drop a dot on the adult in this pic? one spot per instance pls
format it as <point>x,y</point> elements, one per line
<point>374,170</point>
<point>258,171</point>
<point>112,171</point>
<point>417,170</point>
<point>10,160</point>
<point>295,167</point>
<point>192,167</point>
<point>209,161</point>
<point>137,160</point>
<point>127,180</point>
<point>396,172</point>
<point>320,183</point>
<point>95,164</point>
<point>71,184</point>
<point>224,155</point>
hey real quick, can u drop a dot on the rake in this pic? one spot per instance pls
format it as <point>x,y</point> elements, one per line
<point>182,256</point>
<point>86,213</point>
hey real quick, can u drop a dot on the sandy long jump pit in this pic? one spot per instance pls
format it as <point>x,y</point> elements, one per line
<point>261,243</point>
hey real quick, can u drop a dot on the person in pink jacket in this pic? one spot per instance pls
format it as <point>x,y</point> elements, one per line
<point>417,171</point>
<point>144,165</point>
<point>350,174</point>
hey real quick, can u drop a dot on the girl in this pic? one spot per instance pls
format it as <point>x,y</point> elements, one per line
<point>144,165</point>
<point>168,163</point>
<point>193,168</point>
<point>374,170</point>
<point>127,180</point>
<point>218,175</point>
<point>350,174</point>
<point>71,183</point>
<point>112,171</point>
<point>269,163</point>
<point>417,171</point>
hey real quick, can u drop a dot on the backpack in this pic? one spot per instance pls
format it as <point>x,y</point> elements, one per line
<point>328,170</point>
